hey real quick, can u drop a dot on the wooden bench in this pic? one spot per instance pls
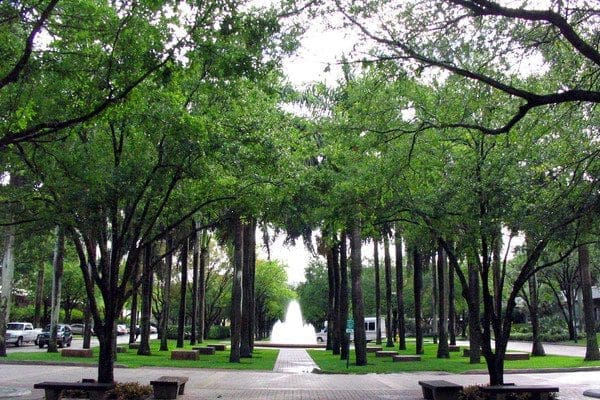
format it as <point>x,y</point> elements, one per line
<point>537,392</point>
<point>405,358</point>
<point>374,349</point>
<point>219,347</point>
<point>168,387</point>
<point>185,355</point>
<point>516,356</point>
<point>96,391</point>
<point>209,350</point>
<point>386,353</point>
<point>87,353</point>
<point>440,390</point>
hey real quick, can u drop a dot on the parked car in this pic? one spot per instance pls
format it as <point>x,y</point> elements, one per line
<point>78,329</point>
<point>64,336</point>
<point>153,329</point>
<point>122,329</point>
<point>18,333</point>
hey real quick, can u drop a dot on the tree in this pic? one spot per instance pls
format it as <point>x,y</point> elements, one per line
<point>57,274</point>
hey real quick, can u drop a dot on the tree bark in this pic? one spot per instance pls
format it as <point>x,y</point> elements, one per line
<point>537,347</point>
<point>134,306</point>
<point>418,289</point>
<point>591,349</point>
<point>442,350</point>
<point>360,340</point>
<point>164,321</point>
<point>195,266</point>
<point>473,309</point>
<point>377,292</point>
<point>434,299</point>
<point>236,294</point>
<point>247,324</point>
<point>147,275</point>
<point>451,307</point>
<point>182,295</point>
<point>202,282</point>
<point>387,263</point>
<point>338,325</point>
<point>39,297</point>
<point>344,340</point>
<point>8,270</point>
<point>400,291</point>
<point>87,327</point>
<point>57,268</point>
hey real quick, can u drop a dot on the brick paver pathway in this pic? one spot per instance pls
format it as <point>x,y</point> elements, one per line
<point>294,361</point>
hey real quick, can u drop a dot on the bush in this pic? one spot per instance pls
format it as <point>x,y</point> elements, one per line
<point>130,391</point>
<point>472,393</point>
<point>219,332</point>
<point>24,313</point>
<point>172,331</point>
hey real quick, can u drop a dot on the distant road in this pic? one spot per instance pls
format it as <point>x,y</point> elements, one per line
<point>77,343</point>
<point>549,348</point>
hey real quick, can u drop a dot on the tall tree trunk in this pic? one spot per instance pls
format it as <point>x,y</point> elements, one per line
<point>434,299</point>
<point>252,298</point>
<point>473,306</point>
<point>247,292</point>
<point>537,347</point>
<point>106,337</point>
<point>451,307</point>
<point>164,321</point>
<point>358,307</point>
<point>57,268</point>
<point>134,306</point>
<point>87,327</point>
<point>182,295</point>
<point>8,270</point>
<point>195,266</point>
<point>387,263</point>
<point>344,342</point>
<point>330,298</point>
<point>400,291</point>
<point>377,292</point>
<point>39,297</point>
<point>442,350</point>
<point>591,350</point>
<point>418,289</point>
<point>147,275</point>
<point>338,325</point>
<point>202,281</point>
<point>236,291</point>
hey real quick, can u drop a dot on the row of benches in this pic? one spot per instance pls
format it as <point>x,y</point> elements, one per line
<point>165,387</point>
<point>444,390</point>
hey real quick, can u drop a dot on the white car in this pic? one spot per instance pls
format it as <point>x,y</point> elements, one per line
<point>18,333</point>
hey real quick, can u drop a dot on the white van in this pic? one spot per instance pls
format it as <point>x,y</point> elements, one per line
<point>370,330</point>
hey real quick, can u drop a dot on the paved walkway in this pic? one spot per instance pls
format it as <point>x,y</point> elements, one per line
<point>290,381</point>
<point>294,361</point>
<point>549,348</point>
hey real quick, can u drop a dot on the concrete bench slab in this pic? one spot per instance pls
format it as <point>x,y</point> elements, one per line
<point>169,387</point>
<point>385,353</point>
<point>95,390</point>
<point>440,390</point>
<point>85,353</point>
<point>219,347</point>
<point>453,348</point>
<point>374,349</point>
<point>404,358</point>
<point>185,355</point>
<point>209,350</point>
<point>516,356</point>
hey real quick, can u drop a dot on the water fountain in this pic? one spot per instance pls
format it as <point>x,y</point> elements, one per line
<point>293,330</point>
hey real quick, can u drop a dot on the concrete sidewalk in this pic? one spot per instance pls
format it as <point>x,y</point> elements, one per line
<point>293,384</point>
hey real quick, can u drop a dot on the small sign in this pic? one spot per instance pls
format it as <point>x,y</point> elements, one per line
<point>349,330</point>
<point>349,325</point>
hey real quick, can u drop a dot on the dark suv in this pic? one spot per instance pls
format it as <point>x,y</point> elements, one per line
<point>63,336</point>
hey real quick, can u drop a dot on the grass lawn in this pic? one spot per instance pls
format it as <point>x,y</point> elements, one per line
<point>455,364</point>
<point>262,359</point>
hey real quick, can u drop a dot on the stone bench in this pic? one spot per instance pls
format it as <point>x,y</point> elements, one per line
<point>516,356</point>
<point>453,348</point>
<point>96,391</point>
<point>405,358</point>
<point>86,353</point>
<point>209,350</point>
<point>219,347</point>
<point>134,345</point>
<point>440,390</point>
<point>185,355</point>
<point>537,392</point>
<point>374,349</point>
<point>121,349</point>
<point>385,353</point>
<point>169,387</point>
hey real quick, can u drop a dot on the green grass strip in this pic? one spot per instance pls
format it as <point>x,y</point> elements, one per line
<point>429,362</point>
<point>262,359</point>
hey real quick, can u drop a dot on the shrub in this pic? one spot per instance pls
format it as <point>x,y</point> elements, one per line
<point>24,313</point>
<point>472,393</point>
<point>130,391</point>
<point>172,331</point>
<point>219,332</point>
